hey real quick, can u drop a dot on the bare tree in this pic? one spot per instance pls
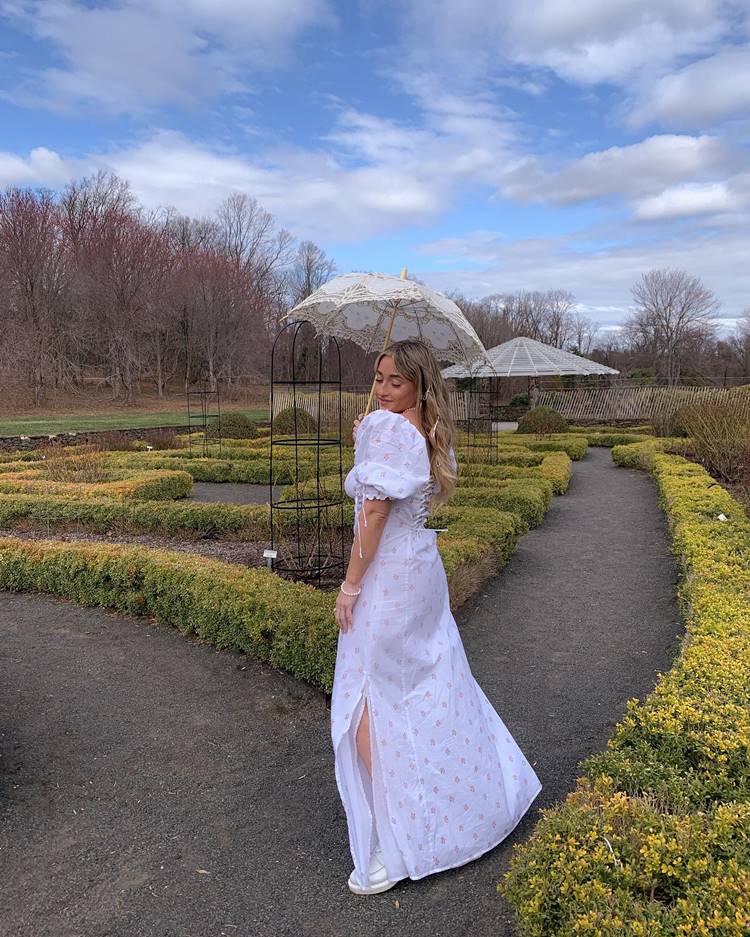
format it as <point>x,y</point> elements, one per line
<point>673,310</point>
<point>486,316</point>
<point>34,262</point>
<point>310,270</point>
<point>557,317</point>
<point>584,333</point>
<point>251,239</point>
<point>739,344</point>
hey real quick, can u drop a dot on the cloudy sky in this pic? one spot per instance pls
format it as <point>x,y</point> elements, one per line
<point>489,145</point>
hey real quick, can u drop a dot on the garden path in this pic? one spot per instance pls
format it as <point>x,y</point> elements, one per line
<point>150,785</point>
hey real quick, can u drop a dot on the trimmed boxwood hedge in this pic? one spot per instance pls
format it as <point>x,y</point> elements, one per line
<point>615,438</point>
<point>573,444</point>
<point>641,454</point>
<point>101,515</point>
<point>655,841</point>
<point>152,485</point>
<point>554,467</point>
<point>246,468</point>
<point>291,625</point>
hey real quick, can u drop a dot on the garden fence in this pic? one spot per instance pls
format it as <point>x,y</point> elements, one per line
<point>633,403</point>
<point>353,403</point>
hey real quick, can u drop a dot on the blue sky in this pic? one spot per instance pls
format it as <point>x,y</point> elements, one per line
<point>488,146</point>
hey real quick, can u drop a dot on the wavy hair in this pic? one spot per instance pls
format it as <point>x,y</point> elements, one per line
<point>416,362</point>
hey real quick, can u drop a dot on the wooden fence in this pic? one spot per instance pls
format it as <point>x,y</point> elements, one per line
<point>633,403</point>
<point>325,406</point>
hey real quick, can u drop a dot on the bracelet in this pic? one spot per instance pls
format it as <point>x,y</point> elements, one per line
<point>341,587</point>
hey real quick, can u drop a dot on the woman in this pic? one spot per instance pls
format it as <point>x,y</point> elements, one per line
<point>429,776</point>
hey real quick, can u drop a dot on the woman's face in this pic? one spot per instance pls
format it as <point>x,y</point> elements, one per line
<point>394,392</point>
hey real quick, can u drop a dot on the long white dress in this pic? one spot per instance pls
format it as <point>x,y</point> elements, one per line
<point>448,780</point>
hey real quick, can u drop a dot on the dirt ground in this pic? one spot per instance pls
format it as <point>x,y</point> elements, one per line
<point>152,786</point>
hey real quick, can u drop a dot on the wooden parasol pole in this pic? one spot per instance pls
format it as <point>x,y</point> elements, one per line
<point>386,341</point>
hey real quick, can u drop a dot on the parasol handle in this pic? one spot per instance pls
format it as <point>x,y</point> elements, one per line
<point>386,341</point>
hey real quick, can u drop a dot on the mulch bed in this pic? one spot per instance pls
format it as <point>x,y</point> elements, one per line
<point>247,553</point>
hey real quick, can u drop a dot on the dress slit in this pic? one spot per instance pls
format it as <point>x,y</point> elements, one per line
<point>364,797</point>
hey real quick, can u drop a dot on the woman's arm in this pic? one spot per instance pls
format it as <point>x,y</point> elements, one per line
<point>367,538</point>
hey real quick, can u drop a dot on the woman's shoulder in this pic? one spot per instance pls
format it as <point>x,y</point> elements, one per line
<point>391,420</point>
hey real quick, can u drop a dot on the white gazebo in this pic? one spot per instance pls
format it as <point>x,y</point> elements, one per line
<point>517,358</point>
<point>526,357</point>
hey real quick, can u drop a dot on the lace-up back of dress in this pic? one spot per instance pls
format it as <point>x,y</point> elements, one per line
<point>390,464</point>
<point>413,511</point>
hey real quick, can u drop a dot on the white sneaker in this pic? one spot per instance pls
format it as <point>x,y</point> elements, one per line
<point>377,877</point>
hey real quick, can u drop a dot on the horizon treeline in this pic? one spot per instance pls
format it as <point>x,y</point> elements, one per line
<point>96,290</point>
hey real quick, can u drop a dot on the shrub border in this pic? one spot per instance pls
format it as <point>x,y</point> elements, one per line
<point>655,840</point>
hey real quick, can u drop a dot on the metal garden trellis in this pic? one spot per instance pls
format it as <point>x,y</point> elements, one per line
<point>309,522</point>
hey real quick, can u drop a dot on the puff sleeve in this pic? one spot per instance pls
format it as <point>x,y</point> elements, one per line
<point>390,461</point>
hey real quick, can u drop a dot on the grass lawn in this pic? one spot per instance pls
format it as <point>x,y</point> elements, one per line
<point>37,424</point>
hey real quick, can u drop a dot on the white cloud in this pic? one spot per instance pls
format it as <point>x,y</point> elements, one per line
<point>42,167</point>
<point>457,141</point>
<point>145,53</point>
<point>312,193</point>
<point>639,169</point>
<point>681,201</point>
<point>584,42</point>
<point>599,279</point>
<point>699,94</point>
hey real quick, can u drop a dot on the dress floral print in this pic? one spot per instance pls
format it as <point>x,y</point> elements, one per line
<point>448,780</point>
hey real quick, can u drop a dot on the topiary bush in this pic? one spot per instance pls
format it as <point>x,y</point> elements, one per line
<point>284,422</point>
<point>233,426</point>
<point>519,400</point>
<point>542,421</point>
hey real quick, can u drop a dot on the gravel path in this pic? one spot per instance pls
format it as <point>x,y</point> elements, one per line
<point>151,786</point>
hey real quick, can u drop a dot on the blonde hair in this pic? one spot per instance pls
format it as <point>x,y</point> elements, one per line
<point>416,362</point>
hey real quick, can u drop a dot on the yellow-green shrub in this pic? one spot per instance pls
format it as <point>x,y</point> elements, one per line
<point>615,438</point>
<point>641,454</point>
<point>100,515</point>
<point>656,840</point>
<point>288,624</point>
<point>574,445</point>
<point>139,486</point>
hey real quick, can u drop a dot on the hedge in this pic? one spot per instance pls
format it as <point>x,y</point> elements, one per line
<point>141,486</point>
<point>554,467</point>
<point>101,515</point>
<point>574,445</point>
<point>526,497</point>
<point>641,454</point>
<point>288,624</point>
<point>234,469</point>
<point>616,438</point>
<point>656,838</point>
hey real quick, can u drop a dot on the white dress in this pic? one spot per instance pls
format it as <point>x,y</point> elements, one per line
<point>449,782</point>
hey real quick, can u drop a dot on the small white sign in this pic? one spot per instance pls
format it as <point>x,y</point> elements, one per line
<point>723,517</point>
<point>269,554</point>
